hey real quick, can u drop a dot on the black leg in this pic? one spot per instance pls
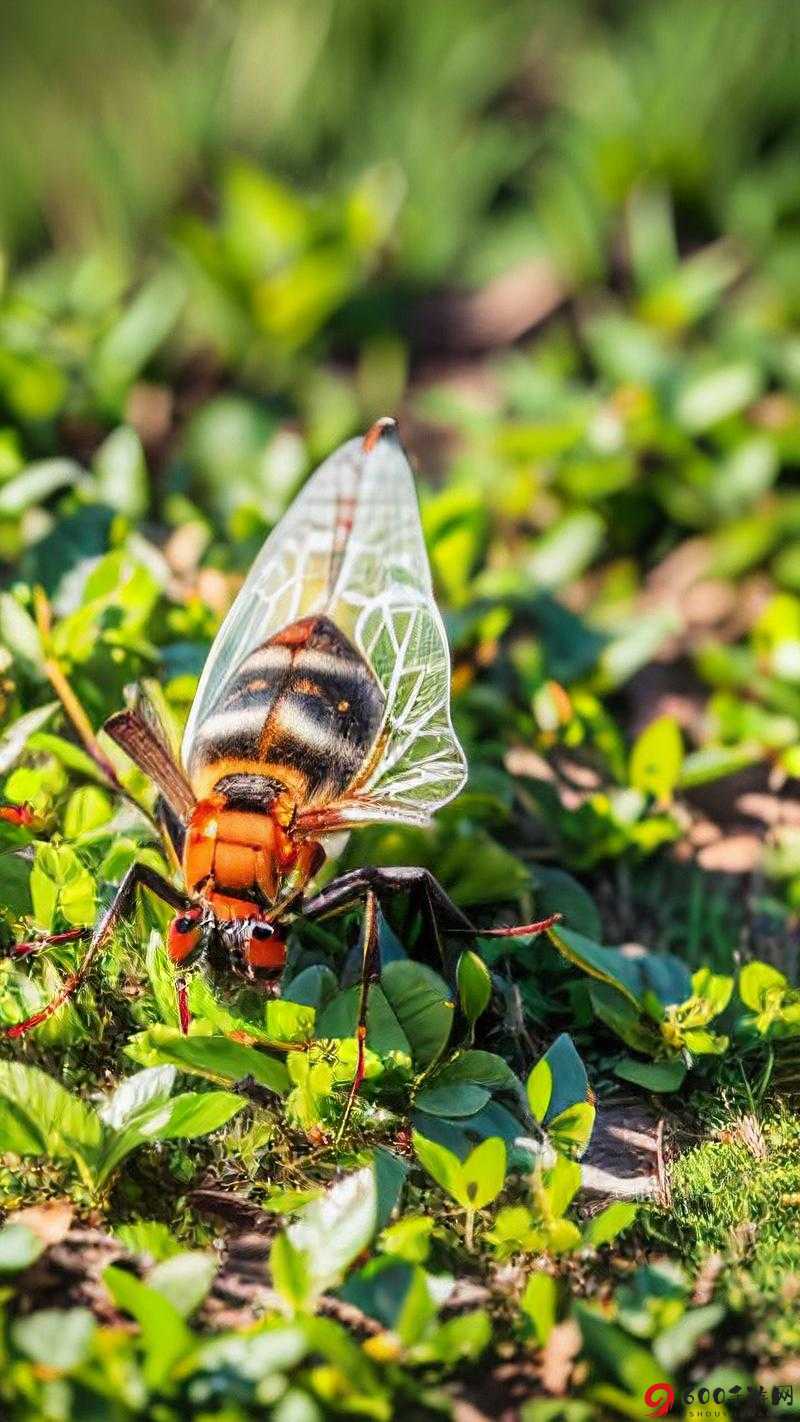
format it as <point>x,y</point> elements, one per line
<point>138,876</point>
<point>350,889</point>
<point>369,972</point>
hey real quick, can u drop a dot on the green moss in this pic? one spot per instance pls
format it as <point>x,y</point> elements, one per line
<point>744,1206</point>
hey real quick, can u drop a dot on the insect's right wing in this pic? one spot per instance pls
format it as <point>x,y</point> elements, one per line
<point>142,734</point>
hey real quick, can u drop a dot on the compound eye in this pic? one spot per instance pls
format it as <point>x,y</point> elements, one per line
<point>184,937</point>
<point>264,950</point>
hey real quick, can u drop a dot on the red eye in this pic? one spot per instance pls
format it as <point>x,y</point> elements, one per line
<point>184,937</point>
<point>264,950</point>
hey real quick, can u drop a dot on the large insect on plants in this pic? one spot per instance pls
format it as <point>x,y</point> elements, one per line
<point>324,706</point>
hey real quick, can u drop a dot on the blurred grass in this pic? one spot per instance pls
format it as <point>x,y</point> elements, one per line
<point>510,126</point>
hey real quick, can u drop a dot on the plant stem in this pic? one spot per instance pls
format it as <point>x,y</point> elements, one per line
<point>469,1231</point>
<point>80,721</point>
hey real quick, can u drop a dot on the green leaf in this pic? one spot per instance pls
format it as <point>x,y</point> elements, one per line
<point>36,483</point>
<point>184,1279</point>
<point>713,989</point>
<point>132,1096</point>
<point>423,1006</point>
<point>473,1067</point>
<point>121,473</point>
<point>333,1230</point>
<point>653,1076</point>
<point>636,1031</point>
<point>656,759</point>
<point>15,875</point>
<point>164,1335</point>
<point>483,1173</point>
<point>571,1130</point>
<point>557,1081</point>
<point>391,1173</point>
<point>463,1338</point>
<point>540,1302</point>
<point>217,1058</point>
<point>15,738</point>
<point>616,1353</point>
<point>57,1117</point>
<point>57,1339</point>
<point>756,979</point>
<point>676,1345</point>
<point>149,1237</point>
<point>87,809</point>
<point>607,964</point>
<point>396,1293</point>
<point>610,1222</point>
<point>61,883</point>
<point>443,1165</point>
<point>558,892</point>
<point>314,987</point>
<point>660,973</point>
<point>409,1238</point>
<point>71,756</point>
<point>560,1237</point>
<point>19,1247</point>
<point>463,1099</point>
<point>474,985</point>
<point>290,1271</point>
<point>20,635</point>
<point>561,1183</point>
<point>539,1088</point>
<point>181,1118</point>
<point>339,1017</point>
<point>194,1113</point>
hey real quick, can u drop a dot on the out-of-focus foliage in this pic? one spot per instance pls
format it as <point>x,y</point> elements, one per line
<point>561,243</point>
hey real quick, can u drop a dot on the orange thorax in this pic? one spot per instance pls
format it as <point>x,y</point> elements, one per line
<point>236,857</point>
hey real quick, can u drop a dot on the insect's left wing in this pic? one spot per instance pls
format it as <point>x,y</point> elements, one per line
<point>351,548</point>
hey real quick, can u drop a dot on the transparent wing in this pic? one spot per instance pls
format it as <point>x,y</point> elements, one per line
<point>351,547</point>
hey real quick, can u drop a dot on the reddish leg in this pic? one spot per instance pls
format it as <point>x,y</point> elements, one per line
<point>518,930</point>
<point>50,940</point>
<point>184,1014</point>
<point>21,815</point>
<point>138,876</point>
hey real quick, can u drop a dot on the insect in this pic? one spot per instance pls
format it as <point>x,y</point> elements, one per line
<point>324,705</point>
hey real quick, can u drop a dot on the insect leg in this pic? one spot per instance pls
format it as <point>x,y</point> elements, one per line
<point>369,971</point>
<point>50,940</point>
<point>346,891</point>
<point>442,914</point>
<point>22,815</point>
<point>138,876</point>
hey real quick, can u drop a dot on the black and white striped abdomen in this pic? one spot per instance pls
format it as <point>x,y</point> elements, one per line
<point>305,700</point>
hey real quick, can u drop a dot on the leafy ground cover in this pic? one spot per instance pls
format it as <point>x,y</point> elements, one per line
<point>569,1187</point>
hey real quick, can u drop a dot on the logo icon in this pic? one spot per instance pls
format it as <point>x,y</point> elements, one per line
<point>659,1398</point>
